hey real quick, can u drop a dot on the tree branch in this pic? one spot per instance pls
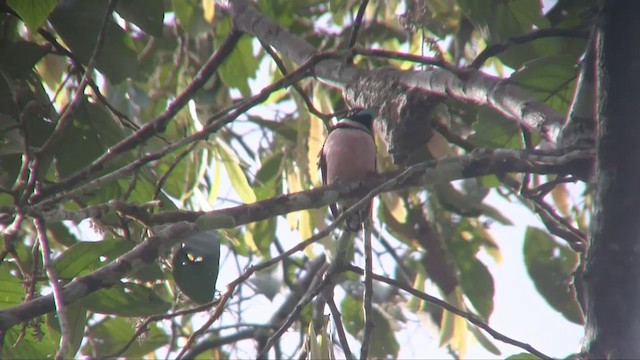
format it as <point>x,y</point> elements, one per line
<point>479,163</point>
<point>152,127</point>
<point>376,87</point>
<point>496,49</point>
<point>444,305</point>
<point>145,253</point>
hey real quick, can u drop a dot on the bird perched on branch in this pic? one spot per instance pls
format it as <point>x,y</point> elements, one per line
<point>349,153</point>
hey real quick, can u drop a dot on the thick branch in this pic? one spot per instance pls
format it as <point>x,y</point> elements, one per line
<point>613,257</point>
<point>478,163</point>
<point>383,87</point>
<point>143,254</point>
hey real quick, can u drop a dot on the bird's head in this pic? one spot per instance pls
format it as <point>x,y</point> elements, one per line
<point>363,116</point>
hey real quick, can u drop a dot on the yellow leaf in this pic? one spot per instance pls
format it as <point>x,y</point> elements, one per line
<point>414,302</point>
<point>294,186</point>
<point>305,226</point>
<point>236,176</point>
<point>396,207</point>
<point>490,246</point>
<point>446,328</point>
<point>484,341</point>
<point>453,328</point>
<point>249,240</point>
<point>209,8</point>
<point>320,344</point>
<point>215,183</point>
<point>317,134</point>
<point>560,197</point>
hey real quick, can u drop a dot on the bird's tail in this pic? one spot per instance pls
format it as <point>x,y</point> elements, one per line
<point>354,222</point>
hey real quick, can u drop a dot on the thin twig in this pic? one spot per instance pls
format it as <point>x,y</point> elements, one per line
<point>65,117</point>
<point>356,23</point>
<point>424,60</point>
<point>61,312</point>
<point>219,341</point>
<point>309,296</point>
<point>368,291</point>
<point>212,126</point>
<point>143,327</point>
<point>153,127</point>
<point>301,246</point>
<point>173,166</point>
<point>337,319</point>
<point>402,268</point>
<point>283,69</point>
<point>544,189</point>
<point>454,310</point>
<point>496,49</point>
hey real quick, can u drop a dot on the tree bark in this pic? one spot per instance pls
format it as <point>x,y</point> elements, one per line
<point>613,260</point>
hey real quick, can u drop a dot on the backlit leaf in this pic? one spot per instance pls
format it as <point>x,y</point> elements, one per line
<point>33,12</point>
<point>550,266</point>
<point>234,171</point>
<point>126,299</point>
<point>112,334</point>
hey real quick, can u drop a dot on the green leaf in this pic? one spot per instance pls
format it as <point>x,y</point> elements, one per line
<point>184,11</point>
<point>60,233</point>
<point>185,174</point>
<point>33,12</point>
<point>11,290</point>
<point>484,341</point>
<point>239,66</point>
<point>467,205</point>
<point>550,266</point>
<point>24,56</point>
<point>259,235</point>
<point>11,141</point>
<point>494,213</point>
<point>280,10</point>
<point>268,176</point>
<point>493,130</point>
<point>112,334</point>
<point>383,341</point>
<point>477,284</point>
<point>81,142</point>
<point>77,319</point>
<point>501,19</point>
<point>126,299</point>
<point>196,264</point>
<point>285,129</point>
<point>352,316</point>
<point>236,175</point>
<point>148,15</point>
<point>78,22</point>
<point>551,79</point>
<point>34,344</point>
<point>522,356</point>
<point>85,257</point>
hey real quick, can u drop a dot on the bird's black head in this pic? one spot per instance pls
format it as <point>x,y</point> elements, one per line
<point>363,116</point>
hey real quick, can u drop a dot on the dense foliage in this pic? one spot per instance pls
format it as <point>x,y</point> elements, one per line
<point>127,122</point>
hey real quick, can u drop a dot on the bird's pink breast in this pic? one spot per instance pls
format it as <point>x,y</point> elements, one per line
<point>349,154</point>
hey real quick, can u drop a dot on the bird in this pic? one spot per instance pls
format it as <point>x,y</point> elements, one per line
<point>349,153</point>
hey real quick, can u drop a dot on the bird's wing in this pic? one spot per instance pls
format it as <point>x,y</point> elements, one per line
<point>322,165</point>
